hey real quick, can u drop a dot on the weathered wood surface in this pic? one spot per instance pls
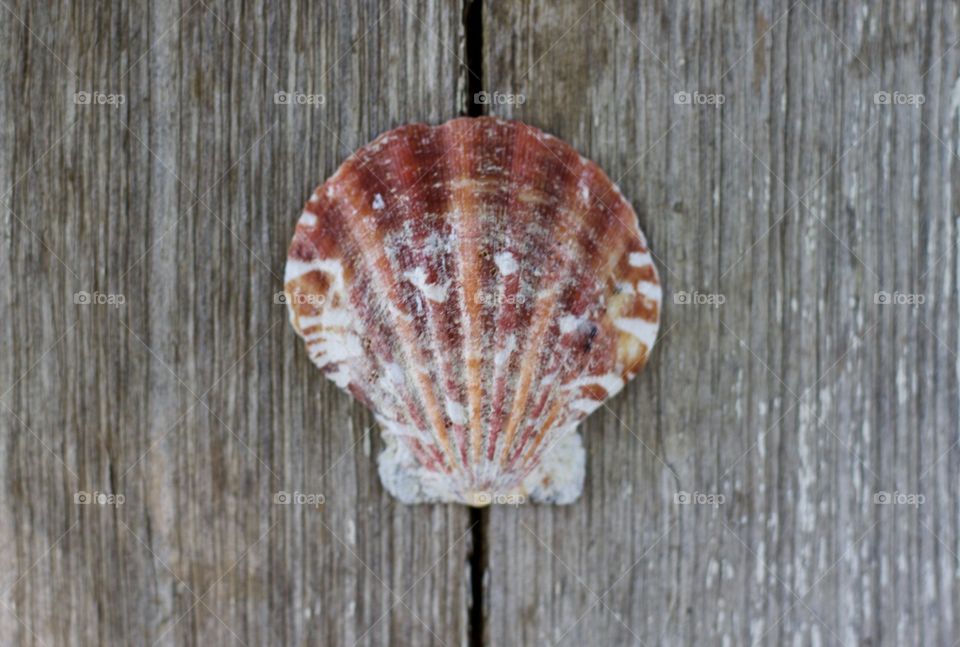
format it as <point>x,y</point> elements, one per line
<point>195,400</point>
<point>797,399</point>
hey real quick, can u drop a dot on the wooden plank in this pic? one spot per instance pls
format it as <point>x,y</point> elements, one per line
<point>799,398</point>
<point>194,400</point>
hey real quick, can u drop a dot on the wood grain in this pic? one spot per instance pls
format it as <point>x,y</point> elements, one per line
<point>194,399</point>
<point>800,200</point>
<point>797,399</point>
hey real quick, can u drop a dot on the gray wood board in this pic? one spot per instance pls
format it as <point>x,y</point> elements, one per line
<point>194,399</point>
<point>797,199</point>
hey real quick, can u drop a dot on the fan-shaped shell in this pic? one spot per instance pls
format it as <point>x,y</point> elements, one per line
<point>481,288</point>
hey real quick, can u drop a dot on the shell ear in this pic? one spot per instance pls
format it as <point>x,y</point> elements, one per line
<point>559,476</point>
<point>557,479</point>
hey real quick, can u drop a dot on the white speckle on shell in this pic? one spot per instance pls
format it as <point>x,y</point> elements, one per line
<point>652,291</point>
<point>295,269</point>
<point>506,263</point>
<point>335,349</point>
<point>611,382</point>
<point>586,405</point>
<point>335,318</point>
<point>340,377</point>
<point>504,353</point>
<point>378,203</point>
<point>418,277</point>
<point>322,320</point>
<point>457,412</point>
<point>642,329</point>
<point>640,259</point>
<point>569,323</point>
<point>395,373</point>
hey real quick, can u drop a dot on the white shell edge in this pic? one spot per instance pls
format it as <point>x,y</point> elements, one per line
<point>558,479</point>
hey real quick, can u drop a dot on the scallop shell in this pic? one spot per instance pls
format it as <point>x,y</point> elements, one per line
<point>481,288</point>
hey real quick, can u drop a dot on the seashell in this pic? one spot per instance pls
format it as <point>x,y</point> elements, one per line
<point>481,288</point>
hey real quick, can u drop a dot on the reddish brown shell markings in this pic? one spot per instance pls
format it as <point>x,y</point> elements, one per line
<point>481,288</point>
